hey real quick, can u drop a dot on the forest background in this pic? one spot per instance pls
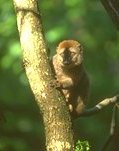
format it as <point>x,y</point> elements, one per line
<point>82,20</point>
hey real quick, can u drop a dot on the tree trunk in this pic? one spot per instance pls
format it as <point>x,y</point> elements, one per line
<point>52,105</point>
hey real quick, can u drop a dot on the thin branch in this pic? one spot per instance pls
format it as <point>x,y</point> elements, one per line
<point>104,103</point>
<point>112,129</point>
<point>99,107</point>
<point>112,7</point>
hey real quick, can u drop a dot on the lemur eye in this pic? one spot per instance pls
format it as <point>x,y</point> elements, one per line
<point>73,53</point>
<point>62,54</point>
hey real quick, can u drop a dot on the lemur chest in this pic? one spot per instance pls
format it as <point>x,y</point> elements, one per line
<point>68,80</point>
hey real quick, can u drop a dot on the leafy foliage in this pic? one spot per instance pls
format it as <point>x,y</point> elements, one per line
<point>83,20</point>
<point>82,146</point>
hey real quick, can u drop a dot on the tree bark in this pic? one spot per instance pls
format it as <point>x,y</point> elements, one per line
<point>52,105</point>
<point>112,7</point>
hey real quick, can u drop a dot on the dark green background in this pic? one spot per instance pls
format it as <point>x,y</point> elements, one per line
<point>82,20</point>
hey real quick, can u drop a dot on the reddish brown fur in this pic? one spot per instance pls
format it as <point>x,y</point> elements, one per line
<point>73,78</point>
<point>68,44</point>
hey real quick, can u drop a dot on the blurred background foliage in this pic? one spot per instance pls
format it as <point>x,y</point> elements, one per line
<point>83,20</point>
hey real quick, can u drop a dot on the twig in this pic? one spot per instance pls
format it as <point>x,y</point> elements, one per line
<point>104,103</point>
<point>112,129</point>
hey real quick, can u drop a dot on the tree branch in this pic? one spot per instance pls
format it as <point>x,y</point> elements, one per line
<point>101,105</point>
<point>113,126</point>
<point>112,7</point>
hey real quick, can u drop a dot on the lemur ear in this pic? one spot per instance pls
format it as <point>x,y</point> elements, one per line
<point>81,48</point>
